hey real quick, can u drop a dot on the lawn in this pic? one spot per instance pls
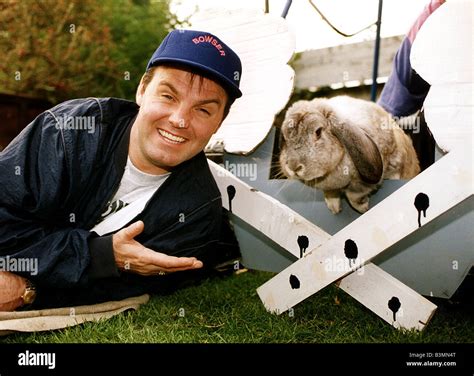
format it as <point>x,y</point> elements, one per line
<point>228,310</point>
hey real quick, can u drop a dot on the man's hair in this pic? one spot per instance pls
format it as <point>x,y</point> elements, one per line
<point>148,76</point>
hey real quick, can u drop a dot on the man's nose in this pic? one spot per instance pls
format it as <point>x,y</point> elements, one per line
<point>179,118</point>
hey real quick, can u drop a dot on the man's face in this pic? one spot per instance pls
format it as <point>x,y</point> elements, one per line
<point>177,117</point>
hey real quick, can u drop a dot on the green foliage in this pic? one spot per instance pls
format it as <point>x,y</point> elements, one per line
<point>61,49</point>
<point>137,28</point>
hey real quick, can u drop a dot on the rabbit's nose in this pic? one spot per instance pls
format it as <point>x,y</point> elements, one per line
<point>299,170</point>
<point>296,167</point>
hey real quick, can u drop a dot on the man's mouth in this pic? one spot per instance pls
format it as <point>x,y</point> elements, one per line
<point>171,137</point>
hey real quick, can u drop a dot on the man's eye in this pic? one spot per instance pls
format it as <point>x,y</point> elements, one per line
<point>204,111</point>
<point>167,97</point>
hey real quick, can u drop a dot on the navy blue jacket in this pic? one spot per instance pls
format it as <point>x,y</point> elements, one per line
<point>55,183</point>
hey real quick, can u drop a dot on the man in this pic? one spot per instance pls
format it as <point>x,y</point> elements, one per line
<point>126,205</point>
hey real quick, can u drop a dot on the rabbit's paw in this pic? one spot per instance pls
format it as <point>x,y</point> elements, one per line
<point>333,204</point>
<point>358,202</point>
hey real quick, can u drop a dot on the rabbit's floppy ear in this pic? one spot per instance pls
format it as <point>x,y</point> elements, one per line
<point>361,148</point>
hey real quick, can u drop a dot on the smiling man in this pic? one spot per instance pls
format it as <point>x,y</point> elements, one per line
<point>130,207</point>
<point>178,116</point>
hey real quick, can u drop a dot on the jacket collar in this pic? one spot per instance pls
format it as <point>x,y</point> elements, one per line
<point>120,159</point>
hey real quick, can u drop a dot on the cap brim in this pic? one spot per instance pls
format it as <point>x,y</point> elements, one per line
<point>227,84</point>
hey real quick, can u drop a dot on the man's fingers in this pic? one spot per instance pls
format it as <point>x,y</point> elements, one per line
<point>147,262</point>
<point>172,262</point>
<point>133,230</point>
<point>197,265</point>
<point>154,270</point>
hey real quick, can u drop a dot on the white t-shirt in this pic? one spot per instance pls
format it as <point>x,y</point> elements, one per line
<point>134,185</point>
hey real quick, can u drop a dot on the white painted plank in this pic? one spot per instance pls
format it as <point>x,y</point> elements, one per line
<point>284,226</point>
<point>247,28</point>
<point>375,288</point>
<point>446,183</point>
<point>264,44</point>
<point>266,214</point>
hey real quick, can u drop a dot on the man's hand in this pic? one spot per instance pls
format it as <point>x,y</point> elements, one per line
<point>12,287</point>
<point>131,256</point>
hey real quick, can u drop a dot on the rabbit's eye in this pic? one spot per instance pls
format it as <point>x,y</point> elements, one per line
<point>318,132</point>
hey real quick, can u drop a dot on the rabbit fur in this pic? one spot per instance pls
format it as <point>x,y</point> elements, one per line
<point>344,146</point>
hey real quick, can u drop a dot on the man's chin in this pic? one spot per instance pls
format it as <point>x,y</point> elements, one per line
<point>169,159</point>
<point>167,164</point>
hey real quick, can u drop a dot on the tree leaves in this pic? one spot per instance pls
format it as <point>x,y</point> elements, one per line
<point>62,49</point>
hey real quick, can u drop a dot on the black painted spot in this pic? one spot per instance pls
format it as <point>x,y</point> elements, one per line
<point>231,195</point>
<point>422,202</point>
<point>303,243</point>
<point>294,282</point>
<point>351,251</point>
<point>394,305</point>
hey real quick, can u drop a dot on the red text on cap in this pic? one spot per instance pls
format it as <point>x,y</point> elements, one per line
<point>211,40</point>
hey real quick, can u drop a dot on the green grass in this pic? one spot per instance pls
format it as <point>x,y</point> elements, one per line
<point>228,310</point>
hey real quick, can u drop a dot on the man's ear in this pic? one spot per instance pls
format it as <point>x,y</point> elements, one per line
<point>140,91</point>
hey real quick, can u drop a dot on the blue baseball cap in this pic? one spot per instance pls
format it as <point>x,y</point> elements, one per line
<point>204,51</point>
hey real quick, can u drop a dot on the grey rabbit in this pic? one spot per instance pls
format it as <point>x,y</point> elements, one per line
<point>344,145</point>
